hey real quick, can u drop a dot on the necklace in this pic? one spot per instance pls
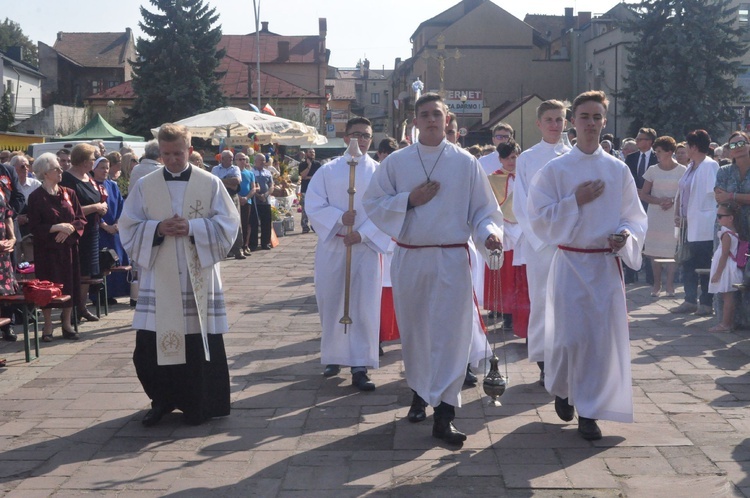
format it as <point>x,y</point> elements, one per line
<point>434,165</point>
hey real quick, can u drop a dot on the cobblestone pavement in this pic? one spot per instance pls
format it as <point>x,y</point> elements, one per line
<point>71,419</point>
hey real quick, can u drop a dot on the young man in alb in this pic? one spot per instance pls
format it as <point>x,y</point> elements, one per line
<point>430,197</point>
<point>586,205</point>
<point>530,250</point>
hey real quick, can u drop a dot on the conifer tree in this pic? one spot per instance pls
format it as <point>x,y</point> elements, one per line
<point>6,112</point>
<point>175,75</point>
<point>683,66</point>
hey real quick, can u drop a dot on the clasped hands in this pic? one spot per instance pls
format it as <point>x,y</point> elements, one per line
<point>176,226</point>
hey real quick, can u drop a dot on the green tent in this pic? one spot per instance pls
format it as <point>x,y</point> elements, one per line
<point>99,129</point>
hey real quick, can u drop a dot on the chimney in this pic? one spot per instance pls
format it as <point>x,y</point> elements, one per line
<point>283,51</point>
<point>583,18</point>
<point>15,53</point>
<point>264,26</point>
<point>322,27</point>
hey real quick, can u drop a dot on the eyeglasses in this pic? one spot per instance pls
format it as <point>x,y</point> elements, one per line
<point>502,137</point>
<point>720,216</point>
<point>360,136</point>
<point>737,145</point>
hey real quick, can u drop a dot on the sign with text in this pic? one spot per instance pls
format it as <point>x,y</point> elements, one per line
<point>472,107</point>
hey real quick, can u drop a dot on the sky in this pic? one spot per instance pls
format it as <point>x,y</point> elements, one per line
<point>378,30</point>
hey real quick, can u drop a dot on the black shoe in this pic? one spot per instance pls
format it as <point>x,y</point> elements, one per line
<point>471,378</point>
<point>86,314</point>
<point>445,430</point>
<point>361,381</point>
<point>563,409</point>
<point>239,255</point>
<point>266,247</point>
<point>331,370</point>
<point>589,429</point>
<point>155,414</point>
<point>417,411</point>
<point>9,335</point>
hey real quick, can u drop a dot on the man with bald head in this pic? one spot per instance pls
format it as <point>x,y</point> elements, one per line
<point>231,177</point>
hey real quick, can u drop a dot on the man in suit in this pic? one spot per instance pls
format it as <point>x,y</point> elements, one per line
<point>639,162</point>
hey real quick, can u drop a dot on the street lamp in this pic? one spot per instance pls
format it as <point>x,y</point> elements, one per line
<point>464,98</point>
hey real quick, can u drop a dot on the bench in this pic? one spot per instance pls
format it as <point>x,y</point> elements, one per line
<point>29,312</point>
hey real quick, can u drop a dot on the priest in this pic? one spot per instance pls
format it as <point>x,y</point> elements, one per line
<point>430,197</point>
<point>586,204</point>
<point>178,223</point>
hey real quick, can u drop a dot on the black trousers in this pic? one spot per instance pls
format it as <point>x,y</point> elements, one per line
<point>198,388</point>
<point>260,217</point>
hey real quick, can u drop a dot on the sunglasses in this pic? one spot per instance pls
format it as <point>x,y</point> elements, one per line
<point>737,145</point>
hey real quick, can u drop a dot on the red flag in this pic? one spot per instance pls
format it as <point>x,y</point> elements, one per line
<point>269,110</point>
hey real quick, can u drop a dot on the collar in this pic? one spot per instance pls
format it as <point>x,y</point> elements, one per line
<point>182,176</point>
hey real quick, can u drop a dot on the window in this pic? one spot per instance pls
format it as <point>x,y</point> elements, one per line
<point>375,98</point>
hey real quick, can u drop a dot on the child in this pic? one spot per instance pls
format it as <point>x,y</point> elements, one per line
<point>724,270</point>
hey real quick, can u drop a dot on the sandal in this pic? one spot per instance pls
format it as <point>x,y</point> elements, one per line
<point>720,328</point>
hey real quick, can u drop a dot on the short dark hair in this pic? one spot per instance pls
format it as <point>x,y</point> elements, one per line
<point>666,143</point>
<point>388,145</point>
<point>590,96</point>
<point>355,121</point>
<point>426,98</point>
<point>506,149</point>
<point>699,139</point>
<point>648,131</point>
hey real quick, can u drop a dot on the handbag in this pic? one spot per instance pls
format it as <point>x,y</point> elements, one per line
<point>684,252</point>
<point>108,259</point>
<point>41,292</point>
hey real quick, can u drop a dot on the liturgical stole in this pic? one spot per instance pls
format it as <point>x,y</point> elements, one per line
<point>170,309</point>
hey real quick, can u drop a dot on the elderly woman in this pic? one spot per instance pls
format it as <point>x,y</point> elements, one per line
<point>57,222</point>
<point>109,233</point>
<point>77,178</point>
<point>696,213</point>
<point>659,189</point>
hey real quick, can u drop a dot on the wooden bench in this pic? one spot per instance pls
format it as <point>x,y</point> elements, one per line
<point>29,312</point>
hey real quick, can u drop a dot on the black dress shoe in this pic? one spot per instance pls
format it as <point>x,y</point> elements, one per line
<point>445,430</point>
<point>417,411</point>
<point>331,370</point>
<point>589,429</point>
<point>9,335</point>
<point>470,379</point>
<point>563,409</point>
<point>361,381</point>
<point>155,414</point>
<point>86,314</point>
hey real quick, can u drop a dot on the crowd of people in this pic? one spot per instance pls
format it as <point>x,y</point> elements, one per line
<point>439,239</point>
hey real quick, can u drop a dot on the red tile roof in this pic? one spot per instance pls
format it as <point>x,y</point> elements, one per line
<point>242,48</point>
<point>95,49</point>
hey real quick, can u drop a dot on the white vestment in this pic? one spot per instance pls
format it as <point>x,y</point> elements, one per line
<point>530,249</point>
<point>213,231</point>
<point>326,201</point>
<point>432,287</point>
<point>587,346</point>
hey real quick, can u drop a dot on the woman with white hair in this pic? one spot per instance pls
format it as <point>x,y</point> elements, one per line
<point>56,221</point>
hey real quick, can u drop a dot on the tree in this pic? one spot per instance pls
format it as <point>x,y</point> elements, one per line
<point>683,66</point>
<point>175,75</point>
<point>6,112</point>
<point>12,36</point>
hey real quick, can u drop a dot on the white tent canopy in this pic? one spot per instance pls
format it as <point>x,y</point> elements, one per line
<point>235,124</point>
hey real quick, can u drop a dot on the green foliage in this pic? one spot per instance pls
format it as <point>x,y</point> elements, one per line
<point>175,75</point>
<point>12,36</point>
<point>683,66</point>
<point>6,112</point>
